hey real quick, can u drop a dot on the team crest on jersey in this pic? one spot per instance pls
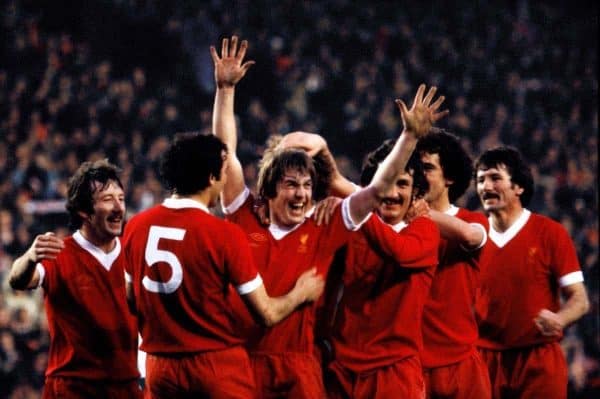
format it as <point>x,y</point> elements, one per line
<point>302,248</point>
<point>532,251</point>
<point>258,237</point>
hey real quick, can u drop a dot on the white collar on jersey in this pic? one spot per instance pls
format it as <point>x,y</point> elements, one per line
<point>396,227</point>
<point>278,232</point>
<point>105,259</point>
<point>452,211</point>
<point>501,239</point>
<point>180,203</point>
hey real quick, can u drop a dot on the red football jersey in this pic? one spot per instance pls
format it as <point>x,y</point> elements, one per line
<point>92,333</point>
<point>449,325</point>
<point>281,262</point>
<point>386,283</point>
<point>525,266</point>
<point>181,261</point>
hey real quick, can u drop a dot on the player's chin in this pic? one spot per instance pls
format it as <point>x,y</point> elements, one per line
<point>114,229</point>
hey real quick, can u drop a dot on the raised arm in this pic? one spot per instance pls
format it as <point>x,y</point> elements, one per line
<point>229,70</point>
<point>417,122</point>
<point>272,310</point>
<point>23,273</point>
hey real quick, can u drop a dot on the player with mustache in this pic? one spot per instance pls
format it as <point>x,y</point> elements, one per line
<point>529,262</point>
<point>93,336</point>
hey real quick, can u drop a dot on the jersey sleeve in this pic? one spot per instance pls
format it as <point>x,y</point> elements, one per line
<point>127,236</point>
<point>565,265</point>
<point>239,262</point>
<point>479,221</point>
<point>47,271</point>
<point>414,246</point>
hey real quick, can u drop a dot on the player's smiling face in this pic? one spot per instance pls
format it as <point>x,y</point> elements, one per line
<point>293,199</point>
<point>397,200</point>
<point>496,190</point>
<point>109,211</point>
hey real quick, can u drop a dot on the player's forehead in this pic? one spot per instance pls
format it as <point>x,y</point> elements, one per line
<point>495,170</point>
<point>111,187</point>
<point>296,175</point>
<point>430,157</point>
<point>405,178</point>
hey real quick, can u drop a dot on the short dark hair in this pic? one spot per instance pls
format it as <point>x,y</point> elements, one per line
<point>413,166</point>
<point>82,188</point>
<point>517,168</point>
<point>273,168</point>
<point>456,163</point>
<point>190,160</point>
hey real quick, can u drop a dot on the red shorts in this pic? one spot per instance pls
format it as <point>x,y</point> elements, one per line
<point>216,374</point>
<point>534,372</point>
<point>403,379</point>
<point>288,375</point>
<point>79,388</point>
<point>467,379</point>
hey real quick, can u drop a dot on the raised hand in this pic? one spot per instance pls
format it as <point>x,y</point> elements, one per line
<point>45,246</point>
<point>419,119</point>
<point>229,68</point>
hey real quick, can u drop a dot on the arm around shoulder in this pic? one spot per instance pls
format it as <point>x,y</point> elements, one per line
<point>23,272</point>
<point>272,310</point>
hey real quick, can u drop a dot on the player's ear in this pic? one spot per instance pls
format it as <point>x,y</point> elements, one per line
<point>518,189</point>
<point>83,215</point>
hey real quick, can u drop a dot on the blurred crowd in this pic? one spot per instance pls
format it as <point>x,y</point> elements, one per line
<point>115,79</point>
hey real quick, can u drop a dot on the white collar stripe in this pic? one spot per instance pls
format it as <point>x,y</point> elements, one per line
<point>182,203</point>
<point>501,239</point>
<point>105,259</point>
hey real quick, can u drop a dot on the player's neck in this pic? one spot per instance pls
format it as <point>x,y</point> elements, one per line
<point>503,219</point>
<point>440,204</point>
<point>202,197</point>
<point>105,244</point>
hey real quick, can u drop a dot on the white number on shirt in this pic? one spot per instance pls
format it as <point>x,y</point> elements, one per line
<point>155,255</point>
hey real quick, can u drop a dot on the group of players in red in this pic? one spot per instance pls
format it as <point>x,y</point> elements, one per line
<point>383,290</point>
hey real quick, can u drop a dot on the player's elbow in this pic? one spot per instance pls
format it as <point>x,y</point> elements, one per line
<point>17,282</point>
<point>270,317</point>
<point>585,304</point>
<point>473,237</point>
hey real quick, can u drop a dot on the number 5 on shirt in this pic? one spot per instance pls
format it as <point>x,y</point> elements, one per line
<point>154,255</point>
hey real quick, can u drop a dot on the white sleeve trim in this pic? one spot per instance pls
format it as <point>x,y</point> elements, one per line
<point>236,203</point>
<point>250,286</point>
<point>128,278</point>
<point>348,222</point>
<point>571,278</point>
<point>42,272</point>
<point>482,243</point>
